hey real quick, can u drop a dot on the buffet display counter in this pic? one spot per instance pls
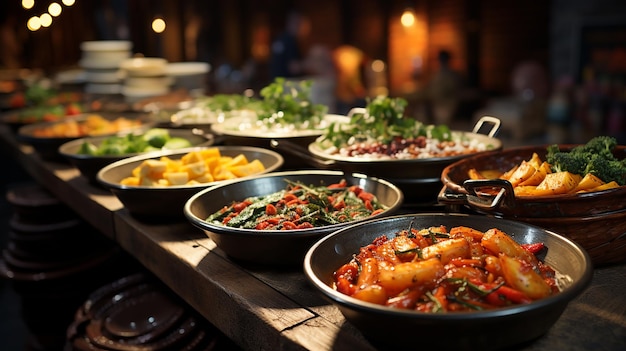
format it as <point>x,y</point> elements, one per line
<point>273,308</point>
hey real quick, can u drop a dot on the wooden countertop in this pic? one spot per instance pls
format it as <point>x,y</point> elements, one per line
<point>275,309</point>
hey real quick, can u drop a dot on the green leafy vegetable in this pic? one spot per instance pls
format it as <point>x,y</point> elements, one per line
<point>152,140</point>
<point>289,102</point>
<point>383,122</point>
<point>595,157</point>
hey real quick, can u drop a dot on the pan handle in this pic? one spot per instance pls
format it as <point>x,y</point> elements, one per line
<point>505,196</point>
<point>448,198</point>
<point>488,119</point>
<point>298,151</point>
<point>355,110</point>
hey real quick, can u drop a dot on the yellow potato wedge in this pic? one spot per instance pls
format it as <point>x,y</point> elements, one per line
<point>474,174</point>
<point>507,175</point>
<point>535,160</point>
<point>531,190</point>
<point>522,173</point>
<point>588,182</point>
<point>560,182</point>
<point>540,173</point>
<point>609,185</point>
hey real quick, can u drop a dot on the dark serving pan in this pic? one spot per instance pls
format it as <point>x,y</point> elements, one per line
<point>494,329</point>
<point>47,147</point>
<point>277,247</point>
<point>419,179</point>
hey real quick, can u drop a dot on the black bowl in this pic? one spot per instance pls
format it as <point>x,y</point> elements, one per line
<point>90,165</point>
<point>166,203</point>
<point>277,247</point>
<point>479,330</point>
<point>48,147</point>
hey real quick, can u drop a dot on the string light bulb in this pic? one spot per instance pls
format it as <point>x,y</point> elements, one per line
<point>55,9</point>
<point>408,17</point>
<point>34,23</point>
<point>28,4</point>
<point>45,19</point>
<point>158,25</point>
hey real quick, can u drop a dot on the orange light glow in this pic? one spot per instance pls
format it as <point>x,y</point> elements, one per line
<point>408,18</point>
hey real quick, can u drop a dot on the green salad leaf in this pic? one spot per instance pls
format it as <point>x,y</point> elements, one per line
<point>289,102</point>
<point>383,121</point>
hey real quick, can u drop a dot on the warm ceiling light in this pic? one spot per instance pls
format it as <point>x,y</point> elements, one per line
<point>408,18</point>
<point>34,23</point>
<point>158,25</point>
<point>68,2</point>
<point>55,9</point>
<point>28,4</point>
<point>378,66</point>
<point>46,20</point>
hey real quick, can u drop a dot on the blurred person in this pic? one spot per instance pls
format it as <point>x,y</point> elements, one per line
<point>350,91</point>
<point>285,54</point>
<point>320,69</point>
<point>444,89</point>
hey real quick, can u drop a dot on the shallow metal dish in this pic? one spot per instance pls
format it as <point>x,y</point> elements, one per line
<point>47,147</point>
<point>284,247</point>
<point>90,165</point>
<point>166,203</point>
<point>238,130</point>
<point>419,179</point>
<point>481,330</point>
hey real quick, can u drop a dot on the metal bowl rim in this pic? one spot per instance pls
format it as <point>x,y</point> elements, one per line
<point>345,301</point>
<point>318,152</point>
<point>63,148</point>
<point>216,229</point>
<point>279,160</point>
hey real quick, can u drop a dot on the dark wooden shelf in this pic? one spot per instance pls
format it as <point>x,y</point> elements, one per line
<point>275,309</point>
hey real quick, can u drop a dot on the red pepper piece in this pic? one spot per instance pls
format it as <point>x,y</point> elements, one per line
<point>289,225</point>
<point>534,247</point>
<point>366,196</point>
<point>270,210</point>
<point>510,294</point>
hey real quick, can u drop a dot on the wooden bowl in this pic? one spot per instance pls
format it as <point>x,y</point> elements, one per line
<point>596,220</point>
<point>570,205</point>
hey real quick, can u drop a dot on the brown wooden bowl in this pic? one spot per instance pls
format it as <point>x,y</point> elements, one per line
<point>571,205</point>
<point>596,221</point>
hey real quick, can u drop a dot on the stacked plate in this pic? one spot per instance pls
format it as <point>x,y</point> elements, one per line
<point>101,61</point>
<point>145,77</point>
<point>53,260</point>
<point>190,76</point>
<point>136,312</point>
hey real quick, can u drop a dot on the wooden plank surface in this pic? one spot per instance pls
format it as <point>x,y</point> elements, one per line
<point>244,307</point>
<point>265,308</point>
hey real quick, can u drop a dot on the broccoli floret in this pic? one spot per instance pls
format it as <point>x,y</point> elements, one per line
<point>600,145</point>
<point>596,157</point>
<point>606,169</point>
<point>573,162</point>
